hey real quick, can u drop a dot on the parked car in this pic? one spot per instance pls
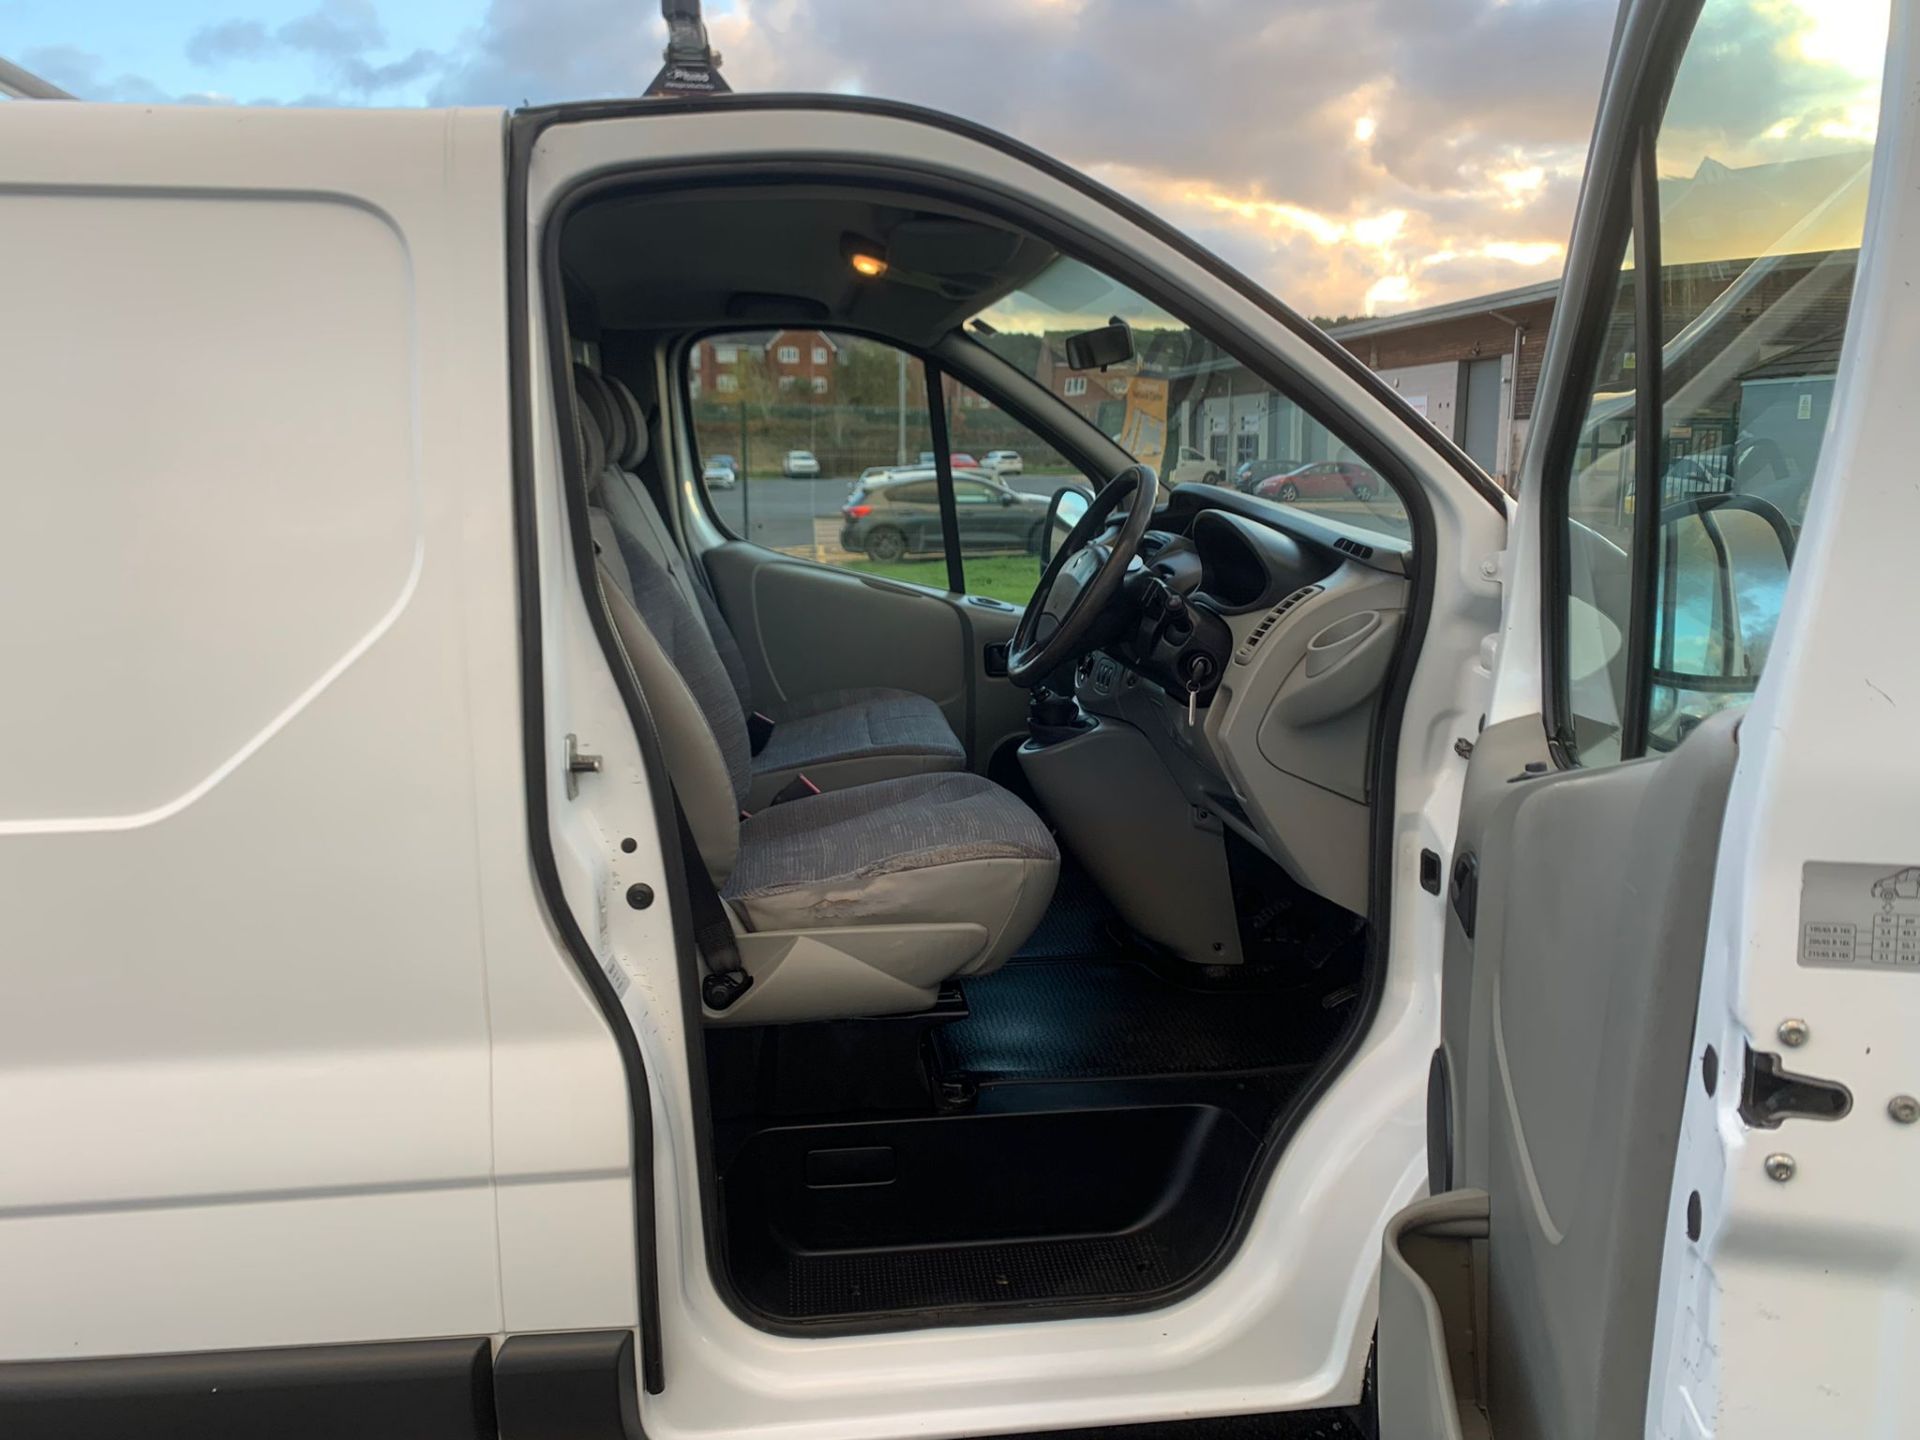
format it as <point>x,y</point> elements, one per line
<point>1002,462</point>
<point>900,515</point>
<point>1190,467</point>
<point>959,460</point>
<point>800,465</point>
<point>1322,480</point>
<point>718,473</point>
<point>1249,473</point>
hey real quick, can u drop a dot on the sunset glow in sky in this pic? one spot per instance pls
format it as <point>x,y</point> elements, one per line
<point>1353,155</point>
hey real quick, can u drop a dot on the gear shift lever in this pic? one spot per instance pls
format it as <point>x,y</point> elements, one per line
<point>1053,716</point>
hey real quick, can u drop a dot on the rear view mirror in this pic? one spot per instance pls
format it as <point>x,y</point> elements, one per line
<point>1111,344</point>
<point>1722,575</point>
<point>1066,509</point>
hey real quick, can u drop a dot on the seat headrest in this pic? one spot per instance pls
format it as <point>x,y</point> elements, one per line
<point>597,401</point>
<point>636,423</point>
<point>593,450</point>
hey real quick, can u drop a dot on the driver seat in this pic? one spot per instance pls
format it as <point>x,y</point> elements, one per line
<point>853,902</point>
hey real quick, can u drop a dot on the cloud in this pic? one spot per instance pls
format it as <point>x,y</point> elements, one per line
<point>86,74</point>
<point>1287,134</point>
<point>342,38</point>
<point>530,52</point>
<point>228,40</point>
<point>1344,152</point>
<point>338,29</point>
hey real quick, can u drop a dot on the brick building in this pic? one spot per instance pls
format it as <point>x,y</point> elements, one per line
<point>1085,391</point>
<point>797,361</point>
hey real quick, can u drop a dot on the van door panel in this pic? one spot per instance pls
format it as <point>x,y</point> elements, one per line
<point>808,628</point>
<point>263,860</point>
<point>1567,1019</point>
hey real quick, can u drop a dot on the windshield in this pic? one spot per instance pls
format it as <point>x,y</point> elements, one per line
<point>1182,404</point>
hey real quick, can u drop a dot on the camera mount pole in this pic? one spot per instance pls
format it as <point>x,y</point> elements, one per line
<point>693,67</point>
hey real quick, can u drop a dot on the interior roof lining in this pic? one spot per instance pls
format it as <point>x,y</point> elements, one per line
<point>632,279</point>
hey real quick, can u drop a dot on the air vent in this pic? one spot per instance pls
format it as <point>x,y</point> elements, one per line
<point>1244,655</point>
<point>1353,548</point>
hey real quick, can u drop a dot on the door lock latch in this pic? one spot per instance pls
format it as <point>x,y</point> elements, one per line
<point>578,763</point>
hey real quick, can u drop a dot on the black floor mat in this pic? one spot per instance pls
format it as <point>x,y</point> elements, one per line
<point>1084,1139</point>
<point>1079,919</point>
<point>1117,1018</point>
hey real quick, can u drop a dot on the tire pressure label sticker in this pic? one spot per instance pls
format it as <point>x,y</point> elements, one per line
<point>1860,917</point>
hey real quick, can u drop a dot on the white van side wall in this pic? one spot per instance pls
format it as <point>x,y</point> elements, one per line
<point>289,1051</point>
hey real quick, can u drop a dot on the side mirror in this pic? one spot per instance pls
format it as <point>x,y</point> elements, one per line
<point>1066,509</point>
<point>1723,562</point>
<point>1111,344</point>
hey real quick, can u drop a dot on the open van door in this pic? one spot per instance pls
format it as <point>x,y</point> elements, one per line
<point>1669,1107</point>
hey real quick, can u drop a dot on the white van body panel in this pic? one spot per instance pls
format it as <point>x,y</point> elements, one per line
<point>1287,1322</point>
<point>1794,1314</point>
<point>285,1032</point>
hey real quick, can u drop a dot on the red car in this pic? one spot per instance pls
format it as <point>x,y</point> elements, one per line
<point>1322,480</point>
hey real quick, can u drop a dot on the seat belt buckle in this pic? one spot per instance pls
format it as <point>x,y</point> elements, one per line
<point>759,731</point>
<point>798,788</point>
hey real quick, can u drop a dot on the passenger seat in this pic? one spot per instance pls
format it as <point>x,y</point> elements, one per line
<point>862,901</point>
<point>834,738</point>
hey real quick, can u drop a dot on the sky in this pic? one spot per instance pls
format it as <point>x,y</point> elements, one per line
<point>1355,156</point>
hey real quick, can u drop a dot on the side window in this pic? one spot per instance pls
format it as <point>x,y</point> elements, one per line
<point>1000,502</point>
<point>1689,477</point>
<point>820,445</point>
<point>812,443</point>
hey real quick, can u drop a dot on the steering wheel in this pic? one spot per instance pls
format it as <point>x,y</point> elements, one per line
<point>1081,578</point>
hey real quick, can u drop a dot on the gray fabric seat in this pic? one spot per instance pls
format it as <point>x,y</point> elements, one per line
<point>848,724</point>
<point>836,738</point>
<point>897,851</point>
<point>856,901</point>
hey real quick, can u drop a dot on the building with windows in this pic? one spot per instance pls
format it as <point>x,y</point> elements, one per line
<point>1470,366</point>
<point>794,362</point>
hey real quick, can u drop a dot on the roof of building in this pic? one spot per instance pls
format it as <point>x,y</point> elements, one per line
<point>1451,310</point>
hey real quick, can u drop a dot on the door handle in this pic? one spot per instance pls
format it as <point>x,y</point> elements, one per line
<point>1464,891</point>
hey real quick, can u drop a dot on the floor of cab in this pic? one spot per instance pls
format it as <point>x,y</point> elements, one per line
<point>1079,1139</point>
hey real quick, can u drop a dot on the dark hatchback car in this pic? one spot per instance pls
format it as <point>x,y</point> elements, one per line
<point>898,515</point>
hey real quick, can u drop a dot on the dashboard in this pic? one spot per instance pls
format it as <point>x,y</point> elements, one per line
<point>1251,655</point>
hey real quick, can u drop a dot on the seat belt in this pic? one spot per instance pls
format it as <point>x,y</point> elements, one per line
<point>726,979</point>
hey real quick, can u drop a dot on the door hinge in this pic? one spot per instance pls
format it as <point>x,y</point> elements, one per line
<point>578,763</point>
